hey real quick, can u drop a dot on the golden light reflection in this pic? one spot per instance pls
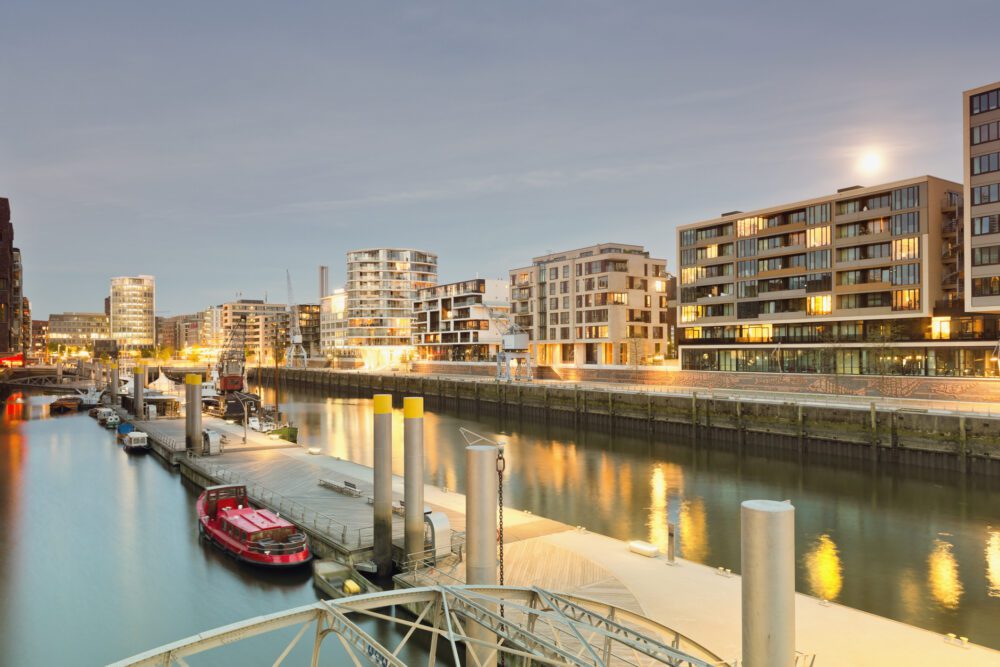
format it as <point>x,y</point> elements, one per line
<point>946,587</point>
<point>693,527</point>
<point>824,569</point>
<point>993,564</point>
<point>909,594</point>
<point>658,516</point>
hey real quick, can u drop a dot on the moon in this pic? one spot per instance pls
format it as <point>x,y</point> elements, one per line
<point>870,163</point>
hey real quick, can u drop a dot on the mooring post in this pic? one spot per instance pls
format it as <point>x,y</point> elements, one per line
<point>873,425</point>
<point>192,385</point>
<point>138,391</point>
<point>768,581</point>
<point>413,474</point>
<point>382,478</point>
<point>481,537</point>
<point>114,383</point>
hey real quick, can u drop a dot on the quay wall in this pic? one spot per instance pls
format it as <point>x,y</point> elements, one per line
<point>965,443</point>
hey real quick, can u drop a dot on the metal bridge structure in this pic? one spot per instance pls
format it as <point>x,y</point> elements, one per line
<point>510,625</point>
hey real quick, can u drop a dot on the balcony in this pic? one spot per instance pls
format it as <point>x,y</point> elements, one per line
<point>950,202</point>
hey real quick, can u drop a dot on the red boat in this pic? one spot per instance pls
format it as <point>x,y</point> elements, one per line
<point>226,517</point>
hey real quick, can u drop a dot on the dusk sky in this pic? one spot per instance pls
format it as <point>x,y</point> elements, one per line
<point>215,144</point>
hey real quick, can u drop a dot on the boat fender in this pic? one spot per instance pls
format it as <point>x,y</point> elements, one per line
<point>351,587</point>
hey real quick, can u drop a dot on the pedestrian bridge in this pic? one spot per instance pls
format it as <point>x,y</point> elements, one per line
<point>513,625</point>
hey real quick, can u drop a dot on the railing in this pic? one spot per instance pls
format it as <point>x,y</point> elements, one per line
<point>306,517</point>
<point>292,545</point>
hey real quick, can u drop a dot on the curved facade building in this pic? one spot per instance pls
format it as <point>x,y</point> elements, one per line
<point>382,284</point>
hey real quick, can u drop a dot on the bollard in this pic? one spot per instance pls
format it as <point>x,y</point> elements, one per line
<point>768,565</point>
<point>192,387</point>
<point>138,390</point>
<point>114,383</point>
<point>382,478</point>
<point>413,474</point>
<point>481,537</point>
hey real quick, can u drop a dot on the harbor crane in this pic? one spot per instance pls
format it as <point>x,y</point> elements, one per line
<point>232,361</point>
<point>296,355</point>
<point>514,355</point>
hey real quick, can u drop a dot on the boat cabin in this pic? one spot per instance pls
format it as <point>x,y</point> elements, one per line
<point>225,497</point>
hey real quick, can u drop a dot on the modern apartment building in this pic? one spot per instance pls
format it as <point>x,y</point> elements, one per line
<point>39,339</point>
<point>263,324</point>
<point>864,281</point>
<point>133,301</point>
<point>603,304</point>
<point>77,331</point>
<point>179,332</point>
<point>453,322</point>
<point>382,284</point>
<point>309,326</point>
<point>333,324</point>
<point>981,229</point>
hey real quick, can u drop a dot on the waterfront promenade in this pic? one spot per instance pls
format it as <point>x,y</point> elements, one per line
<point>693,599</point>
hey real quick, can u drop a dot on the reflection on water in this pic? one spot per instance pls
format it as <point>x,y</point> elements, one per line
<point>942,575</point>
<point>824,569</point>
<point>993,563</point>
<point>864,532</point>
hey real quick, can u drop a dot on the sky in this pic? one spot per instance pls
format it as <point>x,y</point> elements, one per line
<point>218,144</point>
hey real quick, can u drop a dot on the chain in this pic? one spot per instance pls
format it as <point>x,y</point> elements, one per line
<point>501,464</point>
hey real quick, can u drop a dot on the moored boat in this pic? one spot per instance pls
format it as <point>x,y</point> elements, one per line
<point>257,536</point>
<point>65,404</point>
<point>135,441</point>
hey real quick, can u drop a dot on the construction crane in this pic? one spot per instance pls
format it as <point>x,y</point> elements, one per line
<point>514,346</point>
<point>232,360</point>
<point>296,355</point>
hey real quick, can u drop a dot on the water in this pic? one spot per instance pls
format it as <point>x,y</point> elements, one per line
<point>915,545</point>
<point>99,556</point>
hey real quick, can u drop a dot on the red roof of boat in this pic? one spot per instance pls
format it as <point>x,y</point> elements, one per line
<point>251,521</point>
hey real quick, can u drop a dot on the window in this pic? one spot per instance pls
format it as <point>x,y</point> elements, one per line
<point>987,132</point>
<point>688,237</point>
<point>984,164</point>
<point>819,305</point>
<point>689,257</point>
<point>747,268</point>
<point>879,201</point>
<point>796,217</point>
<point>847,207</point>
<point>986,255</point>
<point>818,214</point>
<point>746,248</point>
<point>565,271</point>
<point>906,299</point>
<point>985,194</point>
<point>818,236</point>
<point>746,289</point>
<point>818,259</point>
<point>906,223</point>
<point>985,224</point>
<point>749,226</point>
<point>986,286</point>
<point>906,248</point>
<point>554,273</point>
<point>983,102</point>
<point>819,282</point>
<point>906,274</point>
<point>906,198</point>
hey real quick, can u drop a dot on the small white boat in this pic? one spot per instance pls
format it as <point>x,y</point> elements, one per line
<point>111,421</point>
<point>135,441</point>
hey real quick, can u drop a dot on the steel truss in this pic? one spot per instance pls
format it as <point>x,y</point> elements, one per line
<point>538,628</point>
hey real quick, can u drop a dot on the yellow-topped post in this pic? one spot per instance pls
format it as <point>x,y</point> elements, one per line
<point>413,474</point>
<point>192,411</point>
<point>382,478</point>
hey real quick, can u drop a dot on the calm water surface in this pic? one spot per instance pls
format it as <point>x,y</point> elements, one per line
<point>100,558</point>
<point>915,545</point>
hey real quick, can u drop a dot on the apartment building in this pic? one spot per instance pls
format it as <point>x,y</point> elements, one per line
<point>382,284</point>
<point>77,331</point>
<point>264,325</point>
<point>454,322</point>
<point>333,324</point>
<point>133,301</point>
<point>210,332</point>
<point>9,273</point>
<point>605,304</point>
<point>981,229</point>
<point>860,282</point>
<point>179,332</point>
